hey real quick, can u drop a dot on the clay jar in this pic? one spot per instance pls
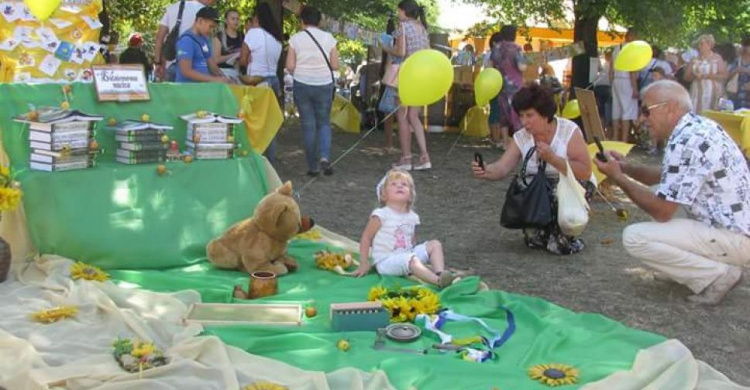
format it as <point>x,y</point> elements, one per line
<point>263,284</point>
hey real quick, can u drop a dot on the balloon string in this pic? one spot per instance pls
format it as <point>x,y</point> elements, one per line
<point>298,194</point>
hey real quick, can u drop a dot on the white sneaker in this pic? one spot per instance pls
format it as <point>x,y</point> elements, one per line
<point>423,166</point>
<point>715,293</point>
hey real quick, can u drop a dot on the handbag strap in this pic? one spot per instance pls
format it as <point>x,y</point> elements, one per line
<point>541,167</point>
<point>179,17</point>
<point>333,80</point>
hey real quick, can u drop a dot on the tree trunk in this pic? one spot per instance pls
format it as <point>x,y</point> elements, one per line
<point>585,30</point>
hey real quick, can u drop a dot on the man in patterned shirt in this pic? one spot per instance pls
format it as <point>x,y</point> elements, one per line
<point>705,172</point>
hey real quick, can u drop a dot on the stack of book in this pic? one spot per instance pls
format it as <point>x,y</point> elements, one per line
<point>60,139</point>
<point>140,142</point>
<point>210,136</point>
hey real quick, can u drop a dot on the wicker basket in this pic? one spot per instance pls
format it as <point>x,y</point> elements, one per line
<point>4,259</point>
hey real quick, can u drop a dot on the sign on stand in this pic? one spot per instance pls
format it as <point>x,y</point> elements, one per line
<point>120,82</point>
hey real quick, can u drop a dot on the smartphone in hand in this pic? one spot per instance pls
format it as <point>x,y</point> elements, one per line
<point>600,155</point>
<point>480,161</point>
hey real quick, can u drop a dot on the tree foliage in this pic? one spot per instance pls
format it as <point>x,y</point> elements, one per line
<point>667,22</point>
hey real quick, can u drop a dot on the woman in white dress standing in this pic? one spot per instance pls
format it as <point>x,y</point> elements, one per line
<point>707,73</point>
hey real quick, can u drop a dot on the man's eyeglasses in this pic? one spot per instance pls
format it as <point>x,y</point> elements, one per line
<point>646,110</point>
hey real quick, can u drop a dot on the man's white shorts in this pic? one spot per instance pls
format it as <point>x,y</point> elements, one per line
<point>398,264</point>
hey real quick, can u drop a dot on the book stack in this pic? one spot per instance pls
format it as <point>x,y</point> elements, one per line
<point>140,142</point>
<point>210,136</point>
<point>60,139</point>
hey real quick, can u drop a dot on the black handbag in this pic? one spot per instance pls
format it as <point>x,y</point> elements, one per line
<point>528,204</point>
<point>169,49</point>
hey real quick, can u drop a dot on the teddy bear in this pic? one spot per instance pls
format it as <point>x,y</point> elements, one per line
<point>259,243</point>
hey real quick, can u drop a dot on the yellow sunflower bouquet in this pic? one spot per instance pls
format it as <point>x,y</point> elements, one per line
<point>10,194</point>
<point>405,304</point>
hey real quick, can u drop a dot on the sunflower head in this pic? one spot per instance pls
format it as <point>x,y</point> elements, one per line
<point>554,374</point>
<point>376,293</point>
<point>54,314</point>
<point>84,271</point>
<point>263,385</point>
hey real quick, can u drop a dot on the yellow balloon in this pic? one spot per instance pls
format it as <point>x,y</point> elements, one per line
<point>424,78</point>
<point>487,85</point>
<point>571,109</point>
<point>42,9</point>
<point>633,57</point>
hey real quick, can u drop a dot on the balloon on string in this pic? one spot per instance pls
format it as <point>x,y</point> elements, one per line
<point>488,84</point>
<point>633,57</point>
<point>571,110</point>
<point>42,9</point>
<point>424,78</point>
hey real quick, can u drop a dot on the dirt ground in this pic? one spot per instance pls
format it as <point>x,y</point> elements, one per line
<point>464,214</point>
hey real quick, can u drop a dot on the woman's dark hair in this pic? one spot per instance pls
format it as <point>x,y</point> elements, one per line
<point>537,97</point>
<point>266,20</point>
<point>726,51</point>
<point>495,38</point>
<point>413,10</point>
<point>226,14</point>
<point>310,16</point>
<point>508,33</point>
<point>390,26</point>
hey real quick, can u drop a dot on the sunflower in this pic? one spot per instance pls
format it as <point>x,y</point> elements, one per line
<point>54,314</point>
<point>554,374</point>
<point>376,293</point>
<point>84,271</point>
<point>405,304</point>
<point>312,235</point>
<point>329,260</point>
<point>10,198</point>
<point>265,386</point>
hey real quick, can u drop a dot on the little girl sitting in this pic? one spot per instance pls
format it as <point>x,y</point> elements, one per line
<point>391,234</point>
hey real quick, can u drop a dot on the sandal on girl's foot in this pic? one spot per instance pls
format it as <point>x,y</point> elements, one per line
<point>424,164</point>
<point>404,164</point>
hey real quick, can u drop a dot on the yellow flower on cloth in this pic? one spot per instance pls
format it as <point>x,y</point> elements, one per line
<point>554,374</point>
<point>141,349</point>
<point>84,271</point>
<point>265,386</point>
<point>10,198</point>
<point>54,314</point>
<point>376,293</point>
<point>312,235</point>
<point>405,304</point>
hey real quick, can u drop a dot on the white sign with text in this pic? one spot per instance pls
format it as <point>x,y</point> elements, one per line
<point>123,82</point>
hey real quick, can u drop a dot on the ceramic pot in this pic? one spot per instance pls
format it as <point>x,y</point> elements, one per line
<point>4,259</point>
<point>263,284</point>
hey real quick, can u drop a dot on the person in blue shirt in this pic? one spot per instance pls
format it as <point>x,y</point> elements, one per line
<point>194,51</point>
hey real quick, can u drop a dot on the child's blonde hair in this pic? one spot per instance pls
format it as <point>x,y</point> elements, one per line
<point>394,174</point>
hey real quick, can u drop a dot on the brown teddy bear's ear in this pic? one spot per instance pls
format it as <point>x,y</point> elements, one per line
<point>285,189</point>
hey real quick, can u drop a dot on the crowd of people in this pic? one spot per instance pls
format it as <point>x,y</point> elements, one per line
<point>699,198</point>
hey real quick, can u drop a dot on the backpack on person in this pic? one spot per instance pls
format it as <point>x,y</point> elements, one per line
<point>169,51</point>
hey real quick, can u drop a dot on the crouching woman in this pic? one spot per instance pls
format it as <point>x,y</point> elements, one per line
<point>556,140</point>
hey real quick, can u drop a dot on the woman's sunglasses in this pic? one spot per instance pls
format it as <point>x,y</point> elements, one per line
<point>646,110</point>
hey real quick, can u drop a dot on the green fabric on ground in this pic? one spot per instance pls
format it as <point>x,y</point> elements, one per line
<point>128,219</point>
<point>116,215</point>
<point>545,333</point>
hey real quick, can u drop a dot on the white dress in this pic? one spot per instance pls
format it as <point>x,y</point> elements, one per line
<point>705,93</point>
